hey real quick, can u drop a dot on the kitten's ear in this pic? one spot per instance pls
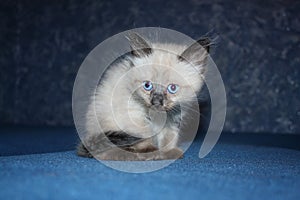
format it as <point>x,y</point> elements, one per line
<point>197,53</point>
<point>139,46</point>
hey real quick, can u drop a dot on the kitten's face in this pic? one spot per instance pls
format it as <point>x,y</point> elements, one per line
<point>165,75</point>
<point>162,81</point>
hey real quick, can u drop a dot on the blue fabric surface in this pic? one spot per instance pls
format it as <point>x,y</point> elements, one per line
<point>230,171</point>
<point>30,140</point>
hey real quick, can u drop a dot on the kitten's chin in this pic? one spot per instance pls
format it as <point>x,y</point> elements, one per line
<point>158,108</point>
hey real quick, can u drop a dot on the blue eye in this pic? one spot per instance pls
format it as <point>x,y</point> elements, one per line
<point>147,85</point>
<point>172,88</point>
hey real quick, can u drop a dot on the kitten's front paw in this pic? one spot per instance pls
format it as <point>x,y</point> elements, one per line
<point>174,153</point>
<point>117,155</point>
<point>171,154</point>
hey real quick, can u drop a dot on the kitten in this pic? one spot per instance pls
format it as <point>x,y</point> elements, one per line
<point>138,103</point>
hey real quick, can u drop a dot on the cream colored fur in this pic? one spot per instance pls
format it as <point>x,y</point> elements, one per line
<point>114,108</point>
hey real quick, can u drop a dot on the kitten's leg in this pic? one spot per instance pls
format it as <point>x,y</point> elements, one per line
<point>118,154</point>
<point>117,147</point>
<point>167,142</point>
<point>113,153</point>
<point>144,146</point>
<point>146,150</point>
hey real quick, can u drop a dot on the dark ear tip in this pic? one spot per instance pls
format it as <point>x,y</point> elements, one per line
<point>132,34</point>
<point>205,42</point>
<point>139,46</point>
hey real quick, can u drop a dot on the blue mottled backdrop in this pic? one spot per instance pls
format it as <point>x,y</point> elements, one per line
<point>44,42</point>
